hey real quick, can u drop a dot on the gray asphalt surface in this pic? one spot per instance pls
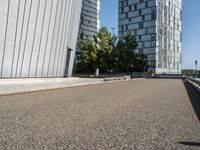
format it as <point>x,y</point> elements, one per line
<point>143,114</point>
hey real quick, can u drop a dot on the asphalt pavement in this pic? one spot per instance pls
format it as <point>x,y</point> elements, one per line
<point>151,114</point>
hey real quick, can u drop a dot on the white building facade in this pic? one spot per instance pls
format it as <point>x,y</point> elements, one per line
<point>157,26</point>
<point>38,37</point>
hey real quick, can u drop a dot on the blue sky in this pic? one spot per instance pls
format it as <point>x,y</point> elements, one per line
<point>191,27</point>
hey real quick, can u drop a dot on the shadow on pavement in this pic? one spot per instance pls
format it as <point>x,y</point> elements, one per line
<point>190,143</point>
<point>194,96</point>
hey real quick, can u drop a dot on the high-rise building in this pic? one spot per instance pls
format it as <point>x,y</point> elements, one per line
<point>38,37</point>
<point>157,26</point>
<point>89,21</point>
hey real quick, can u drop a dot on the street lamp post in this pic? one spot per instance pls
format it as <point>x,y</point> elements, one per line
<point>196,63</point>
<point>113,29</point>
<point>131,70</point>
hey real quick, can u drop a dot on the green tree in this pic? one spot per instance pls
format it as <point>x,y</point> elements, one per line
<point>87,57</point>
<point>97,54</point>
<point>108,54</point>
<point>127,59</point>
<point>140,63</point>
<point>105,44</point>
<point>125,53</point>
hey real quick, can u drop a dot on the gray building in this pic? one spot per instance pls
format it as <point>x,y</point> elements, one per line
<point>38,37</point>
<point>157,26</point>
<point>89,21</point>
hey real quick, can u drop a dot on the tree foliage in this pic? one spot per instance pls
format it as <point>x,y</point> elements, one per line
<point>110,55</point>
<point>105,44</point>
<point>87,57</point>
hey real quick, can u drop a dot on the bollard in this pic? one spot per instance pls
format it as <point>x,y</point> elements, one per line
<point>97,72</point>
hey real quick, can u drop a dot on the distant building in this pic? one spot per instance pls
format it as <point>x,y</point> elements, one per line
<point>157,25</point>
<point>38,38</point>
<point>89,21</point>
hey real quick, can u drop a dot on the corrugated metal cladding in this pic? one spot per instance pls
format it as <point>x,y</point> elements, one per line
<point>38,37</point>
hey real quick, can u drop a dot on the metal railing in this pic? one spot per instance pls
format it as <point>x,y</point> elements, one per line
<point>194,81</point>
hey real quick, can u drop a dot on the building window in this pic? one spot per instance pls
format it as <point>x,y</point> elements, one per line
<point>146,5</point>
<point>126,27</point>
<point>146,31</point>
<point>140,12</point>
<point>139,37</point>
<point>153,64</point>
<point>143,44</point>
<point>126,14</point>
<point>153,9</point>
<point>135,6</point>
<point>143,18</point>
<point>153,44</point>
<point>153,16</point>
<point>122,10</point>
<point>153,37</point>
<point>135,32</point>
<point>141,25</point>
<point>122,28</point>
<point>130,8</point>
<point>126,3</point>
<point>81,35</point>
<point>122,3</point>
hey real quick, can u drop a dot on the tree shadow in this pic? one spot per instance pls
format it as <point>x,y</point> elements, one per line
<point>194,97</point>
<point>190,143</point>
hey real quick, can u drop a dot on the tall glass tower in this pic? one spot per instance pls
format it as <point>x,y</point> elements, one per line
<point>157,26</point>
<point>89,21</point>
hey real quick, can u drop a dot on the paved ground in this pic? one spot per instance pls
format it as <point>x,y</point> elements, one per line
<point>10,86</point>
<point>24,85</point>
<point>144,114</point>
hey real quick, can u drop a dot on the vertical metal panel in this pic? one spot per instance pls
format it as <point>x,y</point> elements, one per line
<point>39,71</point>
<point>53,42</point>
<point>44,39</point>
<point>18,38</point>
<point>62,44</point>
<point>3,18</point>
<point>25,42</point>
<point>29,40</point>
<point>47,40</point>
<point>6,71</point>
<point>5,37</point>
<point>58,38</point>
<point>20,42</point>
<point>38,37</point>
<point>43,13</point>
<point>64,55</point>
<point>35,20</point>
<point>50,38</point>
<point>16,28</point>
